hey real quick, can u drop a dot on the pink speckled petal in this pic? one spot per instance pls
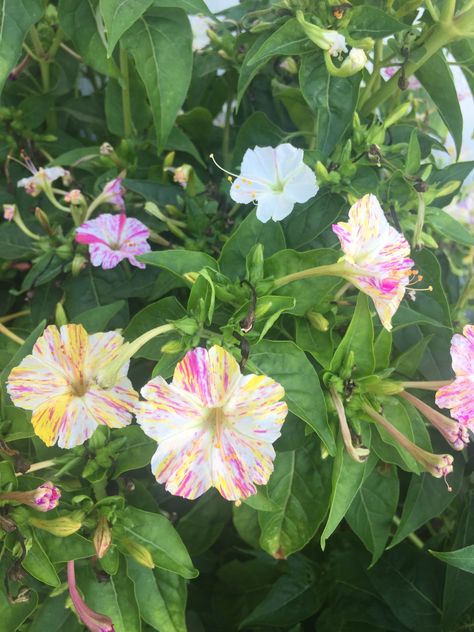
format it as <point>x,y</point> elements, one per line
<point>458,397</point>
<point>210,376</point>
<point>462,352</point>
<point>102,349</point>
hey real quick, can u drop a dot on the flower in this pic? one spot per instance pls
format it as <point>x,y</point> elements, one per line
<point>199,27</point>
<point>41,178</point>
<point>332,41</point>
<point>215,427</point>
<point>43,498</point>
<point>458,396</point>
<point>113,193</point>
<point>9,211</point>
<point>376,256</point>
<point>74,197</point>
<point>94,621</point>
<point>275,179</point>
<point>58,383</point>
<point>112,238</point>
<point>354,62</point>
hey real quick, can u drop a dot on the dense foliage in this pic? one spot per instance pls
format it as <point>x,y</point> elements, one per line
<point>133,206</point>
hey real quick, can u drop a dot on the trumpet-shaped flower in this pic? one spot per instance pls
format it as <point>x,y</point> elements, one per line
<point>58,382</point>
<point>376,256</point>
<point>112,238</point>
<point>275,179</point>
<point>113,194</point>
<point>94,621</point>
<point>332,41</point>
<point>41,178</point>
<point>458,396</point>
<point>355,61</point>
<point>214,426</point>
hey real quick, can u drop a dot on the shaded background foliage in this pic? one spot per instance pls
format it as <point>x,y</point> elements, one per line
<point>309,551</point>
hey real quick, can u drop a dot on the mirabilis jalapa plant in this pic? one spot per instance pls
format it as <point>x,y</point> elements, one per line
<point>232,304</point>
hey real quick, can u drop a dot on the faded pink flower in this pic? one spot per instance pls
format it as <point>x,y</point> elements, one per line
<point>113,194</point>
<point>94,621</point>
<point>74,197</point>
<point>459,395</point>
<point>112,238</point>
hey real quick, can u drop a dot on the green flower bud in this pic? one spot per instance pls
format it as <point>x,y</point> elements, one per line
<point>317,321</point>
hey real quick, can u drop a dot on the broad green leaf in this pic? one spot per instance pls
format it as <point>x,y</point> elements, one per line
<point>413,154</point>
<point>157,534</point>
<point>17,16</point>
<point>97,319</point>
<point>13,243</point>
<point>38,564</point>
<point>299,486</point>
<point>135,453</point>
<point>154,315</point>
<point>203,524</point>
<point>258,129</point>
<point>313,292</point>
<point>119,16</point>
<point>12,615</point>
<point>407,362</point>
<point>347,477</point>
<point>331,99</point>
<point>310,219</point>
<point>446,225</point>
<point>437,79</point>
<point>369,21</point>
<point>463,51</point>
<point>288,365</point>
<point>60,550</point>
<point>289,39</point>
<point>318,343</point>
<point>193,7</point>
<point>245,520</point>
<point>461,558</point>
<point>249,232</point>
<point>114,597</point>
<point>407,316</point>
<point>160,43</point>
<point>358,339</point>
<point>179,262</point>
<point>456,171</point>
<point>248,71</point>
<point>268,310</point>
<point>79,21</point>
<point>434,303</point>
<point>371,512</point>
<point>383,349</point>
<point>52,615</point>
<point>161,597</point>
<point>20,424</point>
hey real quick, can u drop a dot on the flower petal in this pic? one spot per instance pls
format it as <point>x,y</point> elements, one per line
<point>260,163</point>
<point>462,352</point>
<point>301,185</point>
<point>33,383</point>
<point>458,397</point>
<point>274,206</point>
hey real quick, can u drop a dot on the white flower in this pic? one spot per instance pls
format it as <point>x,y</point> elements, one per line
<point>199,27</point>
<point>275,179</point>
<point>355,61</point>
<point>335,43</point>
<point>40,179</point>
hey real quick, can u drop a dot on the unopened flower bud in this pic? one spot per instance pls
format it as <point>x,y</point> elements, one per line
<point>74,197</point>
<point>172,347</point>
<point>317,321</point>
<point>139,553</point>
<point>102,537</point>
<point>43,498</point>
<point>397,114</point>
<point>67,178</point>
<point>61,527</point>
<point>9,211</point>
<point>106,149</point>
<point>43,220</point>
<point>331,41</point>
<point>60,317</point>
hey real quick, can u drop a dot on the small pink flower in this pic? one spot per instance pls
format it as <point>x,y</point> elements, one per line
<point>94,621</point>
<point>459,395</point>
<point>47,496</point>
<point>112,238</point>
<point>113,194</point>
<point>73,197</point>
<point>9,212</point>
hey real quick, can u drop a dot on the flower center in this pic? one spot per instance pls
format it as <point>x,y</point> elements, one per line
<point>79,388</point>
<point>215,418</point>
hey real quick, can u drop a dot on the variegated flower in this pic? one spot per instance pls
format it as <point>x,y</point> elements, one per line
<point>376,256</point>
<point>459,395</point>
<point>214,426</point>
<point>58,382</point>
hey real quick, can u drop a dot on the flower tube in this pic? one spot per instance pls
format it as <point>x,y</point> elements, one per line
<point>94,621</point>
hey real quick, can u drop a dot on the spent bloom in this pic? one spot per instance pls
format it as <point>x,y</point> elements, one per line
<point>9,211</point>
<point>41,178</point>
<point>214,426</point>
<point>74,197</point>
<point>376,256</point>
<point>112,238</point>
<point>275,178</point>
<point>58,382</point>
<point>94,621</point>
<point>459,395</point>
<point>43,498</point>
<point>113,193</point>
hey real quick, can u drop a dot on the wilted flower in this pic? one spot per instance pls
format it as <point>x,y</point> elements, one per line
<point>459,395</point>
<point>332,41</point>
<point>377,256</point>
<point>112,238</point>
<point>74,197</point>
<point>41,178</point>
<point>113,194</point>
<point>215,427</point>
<point>94,621</point>
<point>274,178</point>
<point>58,382</point>
<point>9,211</point>
<point>43,498</point>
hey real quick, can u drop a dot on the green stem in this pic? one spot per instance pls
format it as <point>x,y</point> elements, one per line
<point>9,334</point>
<point>447,11</point>
<point>432,10</point>
<point>126,104</point>
<point>333,269</point>
<point>100,489</point>
<point>411,536</point>
<point>433,385</point>
<point>374,79</point>
<point>420,221</point>
<point>226,134</point>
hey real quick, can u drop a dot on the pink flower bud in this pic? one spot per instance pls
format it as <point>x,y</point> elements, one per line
<point>94,621</point>
<point>8,212</point>
<point>47,496</point>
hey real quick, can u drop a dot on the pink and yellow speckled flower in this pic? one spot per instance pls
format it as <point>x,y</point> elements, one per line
<point>459,395</point>
<point>112,238</point>
<point>215,427</point>
<point>377,256</point>
<point>58,382</point>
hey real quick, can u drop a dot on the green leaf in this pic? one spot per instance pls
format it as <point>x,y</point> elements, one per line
<point>461,558</point>
<point>157,534</point>
<point>97,318</point>
<point>119,16</point>
<point>160,42</point>
<point>248,71</point>
<point>413,160</point>
<point>318,343</point>
<point>289,39</point>
<point>447,227</point>
<point>245,520</point>
<point>312,293</point>
<point>14,243</point>
<point>408,361</point>
<point>258,129</point>
<point>347,477</point>
<point>17,16</point>
<point>371,512</point>
<point>12,615</point>
<point>299,486</point>
<point>79,21</point>
<point>193,7</point>
<point>248,233</point>
<point>60,550</point>
<point>435,303</point>
<point>135,453</point>
<point>456,171</point>
<point>203,524</point>
<point>368,21</point>
<point>307,221</point>
<point>38,564</point>
<point>288,365</point>
<point>359,339</point>
<point>437,79</point>
<point>331,99</point>
<point>52,615</point>
<point>154,315</point>
<point>161,597</point>
<point>179,262</point>
<point>114,598</point>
